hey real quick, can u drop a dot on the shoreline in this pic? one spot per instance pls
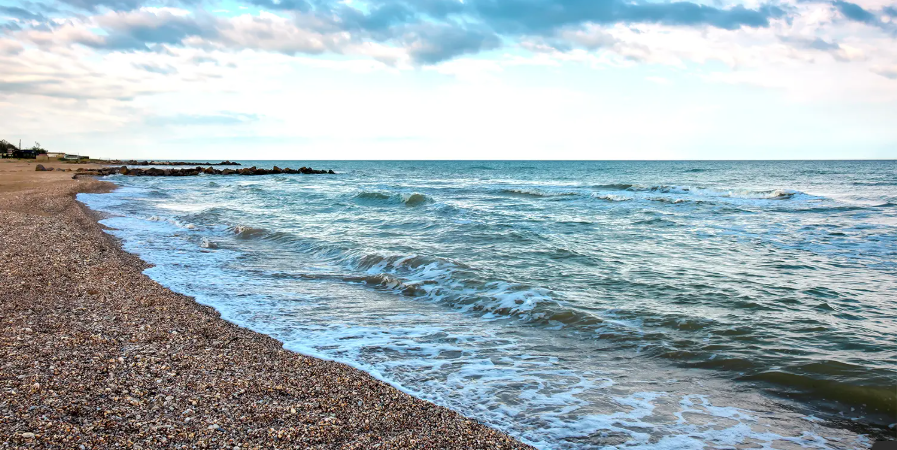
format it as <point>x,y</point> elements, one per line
<point>96,353</point>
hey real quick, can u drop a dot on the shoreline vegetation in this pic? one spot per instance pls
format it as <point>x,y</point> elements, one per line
<point>96,354</point>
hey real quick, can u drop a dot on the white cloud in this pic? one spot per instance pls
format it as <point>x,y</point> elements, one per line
<point>305,80</point>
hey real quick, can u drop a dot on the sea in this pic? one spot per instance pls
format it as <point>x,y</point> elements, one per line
<point>570,304</point>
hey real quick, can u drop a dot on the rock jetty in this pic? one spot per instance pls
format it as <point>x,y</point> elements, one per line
<point>134,162</point>
<point>156,172</point>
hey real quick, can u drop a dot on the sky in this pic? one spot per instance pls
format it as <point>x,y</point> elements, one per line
<point>451,79</point>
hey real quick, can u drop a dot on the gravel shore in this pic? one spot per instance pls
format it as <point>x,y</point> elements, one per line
<point>94,354</point>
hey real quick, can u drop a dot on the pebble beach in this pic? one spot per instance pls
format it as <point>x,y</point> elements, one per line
<point>94,354</point>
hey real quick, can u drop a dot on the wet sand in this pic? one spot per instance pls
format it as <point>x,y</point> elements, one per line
<point>94,354</point>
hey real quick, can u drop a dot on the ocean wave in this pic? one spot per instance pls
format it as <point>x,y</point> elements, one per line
<point>157,193</point>
<point>457,285</point>
<point>536,193</point>
<point>813,209</point>
<point>390,282</point>
<point>375,262</point>
<point>769,194</point>
<point>672,201</point>
<point>216,214</point>
<point>674,194</point>
<point>172,221</point>
<point>613,186</point>
<point>878,399</point>
<point>657,221</point>
<point>372,196</point>
<point>611,197</point>
<point>246,232</point>
<point>254,187</point>
<point>413,199</point>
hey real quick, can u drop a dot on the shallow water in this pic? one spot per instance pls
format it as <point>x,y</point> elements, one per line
<point>570,304</point>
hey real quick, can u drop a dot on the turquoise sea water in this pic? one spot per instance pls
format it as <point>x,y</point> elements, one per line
<point>570,304</point>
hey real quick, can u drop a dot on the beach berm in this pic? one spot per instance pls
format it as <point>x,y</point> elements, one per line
<point>94,354</point>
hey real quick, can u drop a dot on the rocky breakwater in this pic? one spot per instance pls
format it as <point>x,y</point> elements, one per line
<point>156,172</point>
<point>134,162</point>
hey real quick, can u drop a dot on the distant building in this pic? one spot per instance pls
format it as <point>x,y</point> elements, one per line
<point>27,154</point>
<point>6,148</point>
<point>55,155</point>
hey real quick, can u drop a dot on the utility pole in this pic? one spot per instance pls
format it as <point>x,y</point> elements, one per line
<point>20,144</point>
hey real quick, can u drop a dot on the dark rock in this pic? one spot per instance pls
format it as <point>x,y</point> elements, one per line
<point>193,171</point>
<point>39,168</point>
<point>133,162</point>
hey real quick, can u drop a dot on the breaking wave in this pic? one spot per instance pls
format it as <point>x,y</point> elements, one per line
<point>372,196</point>
<point>246,232</point>
<point>611,197</point>
<point>613,192</point>
<point>772,194</point>
<point>613,187</point>
<point>172,221</point>
<point>537,193</point>
<point>449,282</point>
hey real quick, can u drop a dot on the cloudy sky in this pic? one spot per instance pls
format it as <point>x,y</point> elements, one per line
<point>451,79</point>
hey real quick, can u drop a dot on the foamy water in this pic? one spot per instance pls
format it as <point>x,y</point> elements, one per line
<point>572,305</point>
